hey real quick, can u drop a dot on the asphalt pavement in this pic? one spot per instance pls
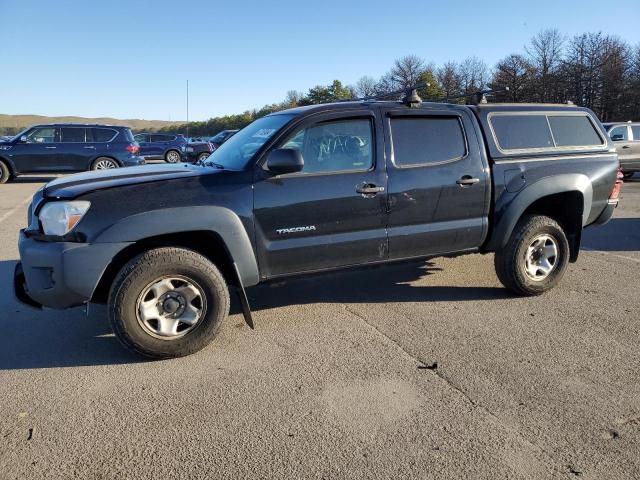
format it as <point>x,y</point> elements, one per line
<point>427,370</point>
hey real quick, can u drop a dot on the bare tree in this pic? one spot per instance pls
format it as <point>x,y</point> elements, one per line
<point>406,71</point>
<point>517,73</point>
<point>545,53</point>
<point>366,86</point>
<point>449,79</point>
<point>473,74</point>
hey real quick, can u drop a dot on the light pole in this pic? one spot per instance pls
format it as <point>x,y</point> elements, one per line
<point>187,108</point>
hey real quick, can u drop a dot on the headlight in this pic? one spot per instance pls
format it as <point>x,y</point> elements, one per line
<point>59,218</point>
<point>5,147</point>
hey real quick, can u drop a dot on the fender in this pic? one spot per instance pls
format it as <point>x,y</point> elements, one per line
<point>219,220</point>
<point>563,183</point>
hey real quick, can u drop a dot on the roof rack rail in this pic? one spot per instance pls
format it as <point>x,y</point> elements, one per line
<point>409,94</point>
<point>477,98</point>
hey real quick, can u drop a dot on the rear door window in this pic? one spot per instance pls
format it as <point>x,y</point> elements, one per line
<point>619,134</point>
<point>426,140</point>
<point>103,134</point>
<point>159,138</point>
<point>516,132</point>
<point>72,135</point>
<point>574,131</point>
<point>636,132</point>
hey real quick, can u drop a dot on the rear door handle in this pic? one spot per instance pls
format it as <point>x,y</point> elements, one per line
<point>51,148</point>
<point>91,147</point>
<point>626,146</point>
<point>467,181</point>
<point>369,189</point>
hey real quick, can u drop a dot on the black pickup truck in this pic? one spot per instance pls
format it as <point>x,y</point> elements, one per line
<point>313,189</point>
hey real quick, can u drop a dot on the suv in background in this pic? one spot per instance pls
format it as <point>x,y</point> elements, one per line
<point>169,147</point>
<point>626,138</point>
<point>221,137</point>
<point>68,147</point>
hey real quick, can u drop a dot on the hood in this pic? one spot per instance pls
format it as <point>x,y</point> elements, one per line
<point>74,185</point>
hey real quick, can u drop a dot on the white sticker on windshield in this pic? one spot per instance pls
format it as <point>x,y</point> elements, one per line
<point>264,132</point>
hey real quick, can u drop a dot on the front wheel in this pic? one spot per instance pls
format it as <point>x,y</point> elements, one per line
<point>172,156</point>
<point>203,156</point>
<point>535,257</point>
<point>168,302</point>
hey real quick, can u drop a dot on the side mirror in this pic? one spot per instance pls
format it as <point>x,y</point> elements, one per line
<point>617,137</point>
<point>23,139</point>
<point>285,160</point>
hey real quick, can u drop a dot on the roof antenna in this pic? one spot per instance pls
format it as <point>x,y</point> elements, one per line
<point>411,97</point>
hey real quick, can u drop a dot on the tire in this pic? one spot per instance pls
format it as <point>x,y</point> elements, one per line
<point>104,163</point>
<point>143,274</point>
<point>203,156</point>
<point>5,173</point>
<point>627,175</point>
<point>542,234</point>
<point>172,156</point>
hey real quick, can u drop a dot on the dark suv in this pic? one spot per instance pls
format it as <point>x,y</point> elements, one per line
<point>68,147</point>
<point>626,138</point>
<point>162,146</point>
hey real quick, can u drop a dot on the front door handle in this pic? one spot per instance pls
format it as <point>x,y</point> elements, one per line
<point>467,181</point>
<point>91,147</point>
<point>369,189</point>
<point>51,148</point>
<point>626,146</point>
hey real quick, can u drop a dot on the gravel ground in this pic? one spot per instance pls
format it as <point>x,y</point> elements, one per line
<point>428,370</point>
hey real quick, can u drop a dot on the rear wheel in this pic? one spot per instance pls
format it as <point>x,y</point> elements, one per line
<point>172,156</point>
<point>535,257</point>
<point>104,163</point>
<point>5,173</point>
<point>168,302</point>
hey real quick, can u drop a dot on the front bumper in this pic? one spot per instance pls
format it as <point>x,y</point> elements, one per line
<point>60,274</point>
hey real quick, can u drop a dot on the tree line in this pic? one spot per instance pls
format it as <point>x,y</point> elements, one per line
<point>594,70</point>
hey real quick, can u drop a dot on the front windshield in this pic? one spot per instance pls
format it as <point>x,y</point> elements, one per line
<point>238,150</point>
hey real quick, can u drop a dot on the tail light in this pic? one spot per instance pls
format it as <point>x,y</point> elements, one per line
<point>133,148</point>
<point>210,146</point>
<point>615,192</point>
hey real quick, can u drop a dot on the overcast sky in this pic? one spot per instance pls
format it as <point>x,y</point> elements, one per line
<point>131,59</point>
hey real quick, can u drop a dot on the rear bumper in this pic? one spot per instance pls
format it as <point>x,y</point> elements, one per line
<point>60,274</point>
<point>133,161</point>
<point>607,213</point>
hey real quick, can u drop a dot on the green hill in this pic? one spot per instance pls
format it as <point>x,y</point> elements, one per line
<point>12,124</point>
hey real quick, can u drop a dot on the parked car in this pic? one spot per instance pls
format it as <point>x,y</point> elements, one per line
<point>68,147</point>
<point>626,138</point>
<point>314,189</point>
<point>198,151</point>
<point>162,146</point>
<point>221,137</point>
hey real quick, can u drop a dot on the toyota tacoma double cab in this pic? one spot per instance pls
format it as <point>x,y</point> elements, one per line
<point>313,189</point>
